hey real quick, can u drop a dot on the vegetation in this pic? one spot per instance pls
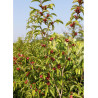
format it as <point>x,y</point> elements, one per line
<point>52,66</point>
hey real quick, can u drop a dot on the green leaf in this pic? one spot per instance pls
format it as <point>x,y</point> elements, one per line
<point>46,91</point>
<point>32,7</point>
<point>45,11</point>
<point>81,32</point>
<point>51,6</point>
<point>58,72</point>
<point>37,31</point>
<point>82,9</point>
<point>42,86</point>
<point>27,27</point>
<point>35,0</point>
<point>53,14</point>
<point>68,23</point>
<point>58,21</point>
<point>71,18</point>
<point>77,71</point>
<point>45,29</point>
<point>52,92</point>
<point>33,11</point>
<point>75,1</point>
<point>33,93</point>
<point>52,27</point>
<point>71,88</point>
<point>77,23</point>
<point>76,95</point>
<point>72,13</point>
<point>30,32</point>
<point>75,5</point>
<point>60,82</point>
<point>73,8</point>
<point>81,17</point>
<point>35,26</point>
<point>45,1</point>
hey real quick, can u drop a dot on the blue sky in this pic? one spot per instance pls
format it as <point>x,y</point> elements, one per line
<point>21,14</point>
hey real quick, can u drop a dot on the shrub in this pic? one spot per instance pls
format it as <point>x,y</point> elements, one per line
<point>51,66</point>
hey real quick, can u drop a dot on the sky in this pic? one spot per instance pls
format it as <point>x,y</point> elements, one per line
<point>21,12</point>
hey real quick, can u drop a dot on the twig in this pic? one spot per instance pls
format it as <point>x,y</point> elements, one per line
<point>62,79</point>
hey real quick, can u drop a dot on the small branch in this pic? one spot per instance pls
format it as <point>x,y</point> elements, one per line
<point>60,94</point>
<point>57,88</point>
<point>58,91</point>
<point>62,79</point>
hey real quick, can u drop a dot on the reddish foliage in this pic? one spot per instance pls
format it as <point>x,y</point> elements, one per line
<point>43,94</point>
<point>17,69</point>
<point>76,17</point>
<point>45,20</point>
<point>48,75</point>
<point>45,7</point>
<point>48,15</point>
<point>72,24</point>
<point>47,78</point>
<point>42,7</point>
<point>39,91</point>
<point>54,68</point>
<point>43,45</point>
<point>19,54</point>
<point>80,1</point>
<point>41,76</point>
<point>63,53</point>
<point>51,38</point>
<point>48,83</point>
<point>31,85</point>
<point>36,90</point>
<point>14,58</point>
<point>44,33</point>
<point>26,81</point>
<point>77,10</point>
<point>27,73</point>
<point>45,56</point>
<point>75,33</point>
<point>71,92</point>
<point>15,63</point>
<point>69,58</point>
<point>67,40</point>
<point>52,23</point>
<point>32,62</point>
<point>58,66</point>
<point>51,51</point>
<point>71,96</point>
<point>53,59</point>
<point>27,58</point>
<point>41,13</point>
<point>73,45</point>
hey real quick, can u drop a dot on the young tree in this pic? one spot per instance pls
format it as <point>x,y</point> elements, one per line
<point>40,21</point>
<point>76,16</point>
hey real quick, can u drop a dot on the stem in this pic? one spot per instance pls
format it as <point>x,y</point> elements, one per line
<point>58,91</point>
<point>57,88</point>
<point>62,80</point>
<point>60,94</point>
